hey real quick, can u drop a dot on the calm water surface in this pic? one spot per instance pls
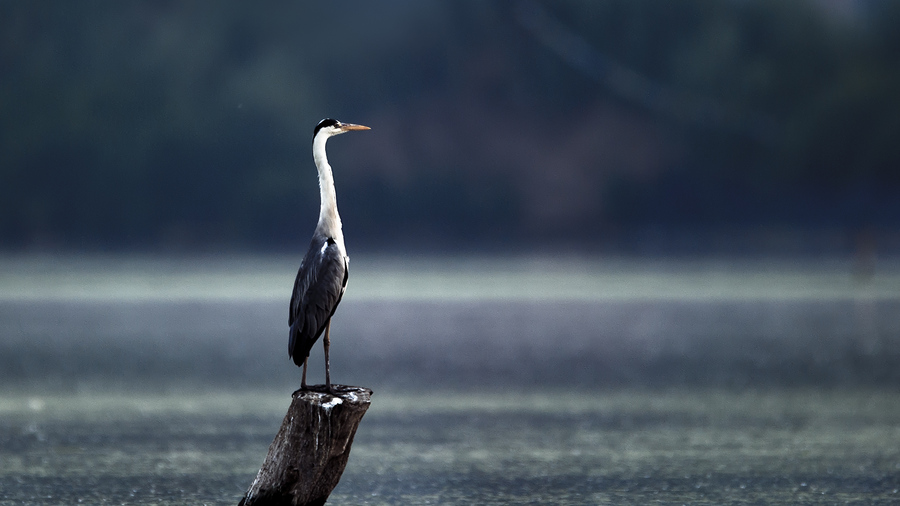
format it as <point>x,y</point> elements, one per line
<point>527,382</point>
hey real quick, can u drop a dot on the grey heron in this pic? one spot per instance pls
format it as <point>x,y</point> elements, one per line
<point>322,277</point>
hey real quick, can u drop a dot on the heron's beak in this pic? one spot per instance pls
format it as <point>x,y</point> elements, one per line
<point>346,127</point>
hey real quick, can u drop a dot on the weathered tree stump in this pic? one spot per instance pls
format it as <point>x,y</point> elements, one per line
<point>308,455</point>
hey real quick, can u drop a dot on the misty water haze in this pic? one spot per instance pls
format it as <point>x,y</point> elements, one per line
<point>444,322</point>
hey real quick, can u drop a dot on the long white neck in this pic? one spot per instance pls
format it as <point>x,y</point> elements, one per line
<point>329,219</point>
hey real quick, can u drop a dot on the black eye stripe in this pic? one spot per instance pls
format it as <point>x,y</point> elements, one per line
<point>324,123</point>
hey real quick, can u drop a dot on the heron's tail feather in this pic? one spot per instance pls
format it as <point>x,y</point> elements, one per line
<point>299,345</point>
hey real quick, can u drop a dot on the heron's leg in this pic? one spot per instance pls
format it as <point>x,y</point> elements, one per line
<point>327,343</point>
<point>303,380</point>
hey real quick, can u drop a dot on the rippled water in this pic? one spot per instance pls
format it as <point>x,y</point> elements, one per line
<point>163,382</point>
<point>618,447</point>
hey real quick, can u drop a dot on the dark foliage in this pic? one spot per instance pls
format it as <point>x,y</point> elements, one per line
<point>187,126</point>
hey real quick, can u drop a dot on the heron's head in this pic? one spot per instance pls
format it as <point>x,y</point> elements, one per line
<point>329,127</point>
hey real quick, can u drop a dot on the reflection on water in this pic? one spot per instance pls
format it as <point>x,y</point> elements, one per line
<point>528,381</point>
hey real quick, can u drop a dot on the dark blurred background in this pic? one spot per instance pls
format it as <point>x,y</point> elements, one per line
<point>623,126</point>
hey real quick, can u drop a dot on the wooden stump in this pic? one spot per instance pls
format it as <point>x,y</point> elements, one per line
<point>307,457</point>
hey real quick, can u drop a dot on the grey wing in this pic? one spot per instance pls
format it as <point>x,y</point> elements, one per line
<point>318,289</point>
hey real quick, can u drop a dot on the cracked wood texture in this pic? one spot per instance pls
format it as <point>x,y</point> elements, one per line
<point>308,455</point>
